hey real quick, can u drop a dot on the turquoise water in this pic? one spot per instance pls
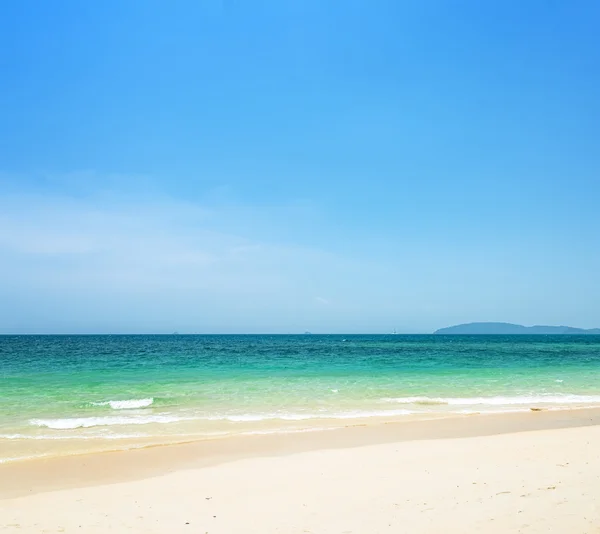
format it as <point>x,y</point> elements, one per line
<point>63,394</point>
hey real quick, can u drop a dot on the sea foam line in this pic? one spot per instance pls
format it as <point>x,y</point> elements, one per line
<point>107,421</point>
<point>130,404</point>
<point>306,416</point>
<point>72,437</point>
<point>496,401</point>
<point>88,422</point>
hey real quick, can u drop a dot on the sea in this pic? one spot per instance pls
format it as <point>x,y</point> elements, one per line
<point>63,395</point>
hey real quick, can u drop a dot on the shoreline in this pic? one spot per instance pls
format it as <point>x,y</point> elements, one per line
<point>40,475</point>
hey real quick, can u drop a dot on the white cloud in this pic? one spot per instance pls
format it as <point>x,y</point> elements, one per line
<point>153,264</point>
<point>108,260</point>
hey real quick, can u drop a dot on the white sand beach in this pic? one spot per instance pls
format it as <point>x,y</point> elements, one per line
<point>524,481</point>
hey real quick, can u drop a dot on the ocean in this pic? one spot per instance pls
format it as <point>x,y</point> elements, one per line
<point>75,394</point>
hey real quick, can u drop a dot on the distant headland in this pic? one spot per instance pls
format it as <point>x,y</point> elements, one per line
<point>509,329</point>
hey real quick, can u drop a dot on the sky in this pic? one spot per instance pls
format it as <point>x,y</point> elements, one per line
<point>281,166</point>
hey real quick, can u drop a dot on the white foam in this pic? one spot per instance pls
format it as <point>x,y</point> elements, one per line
<point>498,400</point>
<point>415,400</point>
<point>305,416</point>
<point>130,404</point>
<point>50,437</point>
<point>254,417</point>
<point>375,413</point>
<point>88,422</point>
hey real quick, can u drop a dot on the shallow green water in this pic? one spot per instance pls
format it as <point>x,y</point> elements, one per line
<point>134,388</point>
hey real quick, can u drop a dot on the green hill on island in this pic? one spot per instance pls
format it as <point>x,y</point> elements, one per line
<point>509,329</point>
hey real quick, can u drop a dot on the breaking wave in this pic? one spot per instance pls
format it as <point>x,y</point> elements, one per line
<point>497,401</point>
<point>88,422</point>
<point>130,404</point>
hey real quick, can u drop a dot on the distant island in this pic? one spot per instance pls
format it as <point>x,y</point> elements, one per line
<point>509,329</point>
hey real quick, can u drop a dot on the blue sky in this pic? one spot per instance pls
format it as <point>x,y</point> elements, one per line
<point>282,166</point>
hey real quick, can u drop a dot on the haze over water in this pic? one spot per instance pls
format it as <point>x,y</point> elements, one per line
<point>68,394</point>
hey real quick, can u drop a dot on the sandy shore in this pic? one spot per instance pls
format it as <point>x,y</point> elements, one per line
<point>482,473</point>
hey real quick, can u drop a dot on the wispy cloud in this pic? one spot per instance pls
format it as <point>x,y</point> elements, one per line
<point>100,258</point>
<point>154,262</point>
